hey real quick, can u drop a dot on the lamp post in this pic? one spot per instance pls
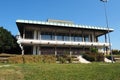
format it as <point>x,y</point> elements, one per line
<point>105,9</point>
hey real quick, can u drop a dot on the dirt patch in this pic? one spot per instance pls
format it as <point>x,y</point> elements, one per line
<point>11,74</point>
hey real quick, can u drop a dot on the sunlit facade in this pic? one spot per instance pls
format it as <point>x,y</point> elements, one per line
<point>56,37</point>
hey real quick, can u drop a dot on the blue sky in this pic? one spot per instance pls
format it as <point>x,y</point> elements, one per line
<point>84,12</point>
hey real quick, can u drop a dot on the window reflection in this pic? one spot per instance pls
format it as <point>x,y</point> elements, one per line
<point>86,38</point>
<point>47,36</point>
<point>64,37</point>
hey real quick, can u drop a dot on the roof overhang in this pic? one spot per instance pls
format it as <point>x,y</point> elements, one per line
<point>21,23</point>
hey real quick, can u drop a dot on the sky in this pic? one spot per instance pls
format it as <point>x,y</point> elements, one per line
<point>84,12</point>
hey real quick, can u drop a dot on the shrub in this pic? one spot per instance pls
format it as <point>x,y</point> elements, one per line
<point>93,56</point>
<point>15,59</point>
<point>48,59</point>
<point>64,58</point>
<point>69,59</point>
<point>88,57</point>
<point>32,59</point>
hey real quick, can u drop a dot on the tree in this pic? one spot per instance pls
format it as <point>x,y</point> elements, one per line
<point>94,51</point>
<point>8,43</point>
<point>116,52</point>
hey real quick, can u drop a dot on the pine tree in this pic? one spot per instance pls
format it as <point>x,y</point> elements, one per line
<point>8,43</point>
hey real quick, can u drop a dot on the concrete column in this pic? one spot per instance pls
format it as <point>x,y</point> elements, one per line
<point>89,38</point>
<point>23,33</point>
<point>22,49</point>
<point>34,50</point>
<point>82,36</point>
<point>55,36</point>
<point>35,34</point>
<point>93,37</point>
<point>39,51</point>
<point>70,52</point>
<point>39,35</point>
<point>69,35</point>
<point>55,51</point>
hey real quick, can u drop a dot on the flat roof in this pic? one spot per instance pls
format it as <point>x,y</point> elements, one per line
<point>62,24</point>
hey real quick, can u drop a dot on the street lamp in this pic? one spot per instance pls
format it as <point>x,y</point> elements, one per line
<point>105,1</point>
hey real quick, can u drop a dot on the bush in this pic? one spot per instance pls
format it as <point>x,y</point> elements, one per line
<point>92,56</point>
<point>69,59</point>
<point>32,59</point>
<point>88,57</point>
<point>64,58</point>
<point>48,59</point>
<point>15,59</point>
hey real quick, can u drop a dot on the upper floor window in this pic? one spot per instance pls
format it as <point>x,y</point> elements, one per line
<point>60,37</point>
<point>86,38</point>
<point>47,36</point>
<point>29,34</point>
<point>76,38</point>
<point>66,38</point>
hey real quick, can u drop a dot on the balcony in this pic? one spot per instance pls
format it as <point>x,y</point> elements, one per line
<point>67,43</point>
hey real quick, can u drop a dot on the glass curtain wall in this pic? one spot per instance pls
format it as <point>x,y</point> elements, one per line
<point>76,38</point>
<point>64,37</point>
<point>47,36</point>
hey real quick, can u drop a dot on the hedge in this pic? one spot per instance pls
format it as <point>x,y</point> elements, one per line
<point>32,59</point>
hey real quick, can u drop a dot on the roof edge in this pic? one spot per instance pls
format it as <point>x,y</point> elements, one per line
<point>63,24</point>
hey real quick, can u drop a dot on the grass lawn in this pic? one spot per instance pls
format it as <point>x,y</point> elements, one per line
<point>93,71</point>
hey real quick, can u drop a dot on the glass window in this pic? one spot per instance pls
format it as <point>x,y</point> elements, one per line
<point>66,38</point>
<point>72,38</point>
<point>86,38</point>
<point>60,37</point>
<point>29,34</point>
<point>76,38</point>
<point>47,36</point>
<point>80,38</point>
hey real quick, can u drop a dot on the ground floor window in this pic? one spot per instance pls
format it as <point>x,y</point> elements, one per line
<point>28,50</point>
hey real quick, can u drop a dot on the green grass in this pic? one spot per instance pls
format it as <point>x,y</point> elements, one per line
<point>93,71</point>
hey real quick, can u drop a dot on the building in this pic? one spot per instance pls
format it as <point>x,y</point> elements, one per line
<point>60,37</point>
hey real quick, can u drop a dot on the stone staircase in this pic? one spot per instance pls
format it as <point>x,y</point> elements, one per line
<point>107,60</point>
<point>79,59</point>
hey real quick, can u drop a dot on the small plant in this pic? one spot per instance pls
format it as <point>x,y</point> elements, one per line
<point>69,59</point>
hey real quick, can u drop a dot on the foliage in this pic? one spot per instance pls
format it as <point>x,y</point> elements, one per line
<point>48,59</point>
<point>88,57</point>
<point>32,59</point>
<point>8,43</point>
<point>92,57</point>
<point>116,52</point>
<point>95,52</point>
<point>64,58</point>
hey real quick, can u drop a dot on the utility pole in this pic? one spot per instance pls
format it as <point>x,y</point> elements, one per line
<point>107,24</point>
